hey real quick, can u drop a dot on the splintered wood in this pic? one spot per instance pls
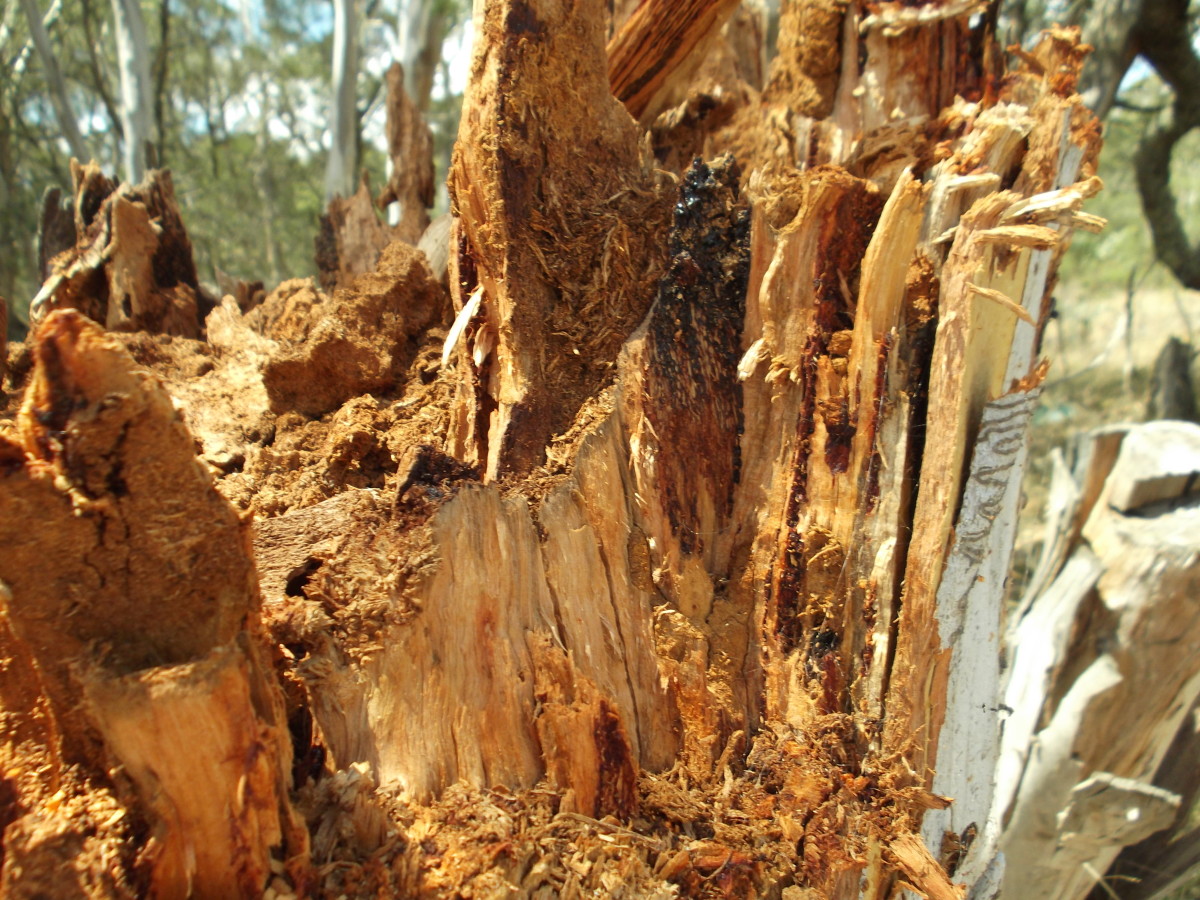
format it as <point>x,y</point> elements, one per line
<point>131,266</point>
<point>1104,673</point>
<point>662,555</point>
<point>663,41</point>
<point>561,228</point>
<point>130,604</point>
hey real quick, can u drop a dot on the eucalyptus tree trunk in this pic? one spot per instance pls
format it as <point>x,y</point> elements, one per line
<point>663,554</point>
<point>341,176</point>
<point>137,101</point>
<point>422,27</point>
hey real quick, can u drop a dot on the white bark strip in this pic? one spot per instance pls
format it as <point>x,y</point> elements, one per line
<point>970,600</point>
<point>133,57</point>
<point>1040,264</point>
<point>339,174</point>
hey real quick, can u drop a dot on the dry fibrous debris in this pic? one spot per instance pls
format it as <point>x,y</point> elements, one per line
<point>612,568</point>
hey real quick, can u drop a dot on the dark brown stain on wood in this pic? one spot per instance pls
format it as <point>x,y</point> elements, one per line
<point>694,343</point>
<point>617,794</point>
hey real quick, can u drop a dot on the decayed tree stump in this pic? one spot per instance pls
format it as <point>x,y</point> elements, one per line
<point>663,556</point>
<point>131,267</point>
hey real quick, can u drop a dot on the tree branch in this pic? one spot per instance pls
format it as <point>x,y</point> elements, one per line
<point>1162,36</point>
<point>1139,108</point>
<point>54,81</point>
<point>1108,26</point>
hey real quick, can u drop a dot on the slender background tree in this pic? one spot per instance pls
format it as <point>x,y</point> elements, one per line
<point>236,100</point>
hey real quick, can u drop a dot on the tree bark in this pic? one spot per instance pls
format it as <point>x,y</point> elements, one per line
<point>410,154</point>
<point>421,31</point>
<point>1172,395</point>
<point>131,266</point>
<point>341,177</point>
<point>1161,31</point>
<point>137,104</point>
<point>665,553</point>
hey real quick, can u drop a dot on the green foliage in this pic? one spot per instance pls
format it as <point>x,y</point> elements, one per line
<point>1124,250</point>
<point>32,155</point>
<point>242,95</point>
<point>242,98</point>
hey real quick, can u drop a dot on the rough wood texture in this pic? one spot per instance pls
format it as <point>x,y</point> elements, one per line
<point>107,518</point>
<point>663,41</point>
<point>1103,674</point>
<point>547,192</point>
<point>364,342</point>
<point>1167,861</point>
<point>804,74</point>
<point>410,148</point>
<point>655,563</point>
<point>350,239</point>
<point>131,266</point>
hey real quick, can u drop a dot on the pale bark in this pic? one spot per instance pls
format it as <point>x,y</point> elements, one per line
<point>422,29</point>
<point>137,102</point>
<point>1168,861</point>
<point>1103,671</point>
<point>341,177</point>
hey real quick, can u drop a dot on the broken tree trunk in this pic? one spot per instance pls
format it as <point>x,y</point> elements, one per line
<point>352,236</point>
<point>410,150</point>
<point>1104,671</point>
<point>131,266</point>
<point>151,688</point>
<point>665,554</point>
